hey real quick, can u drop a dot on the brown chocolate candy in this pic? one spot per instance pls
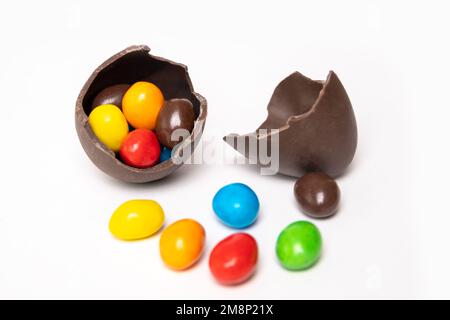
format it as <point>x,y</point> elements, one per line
<point>129,66</point>
<point>111,95</point>
<point>175,114</point>
<point>314,126</point>
<point>318,194</point>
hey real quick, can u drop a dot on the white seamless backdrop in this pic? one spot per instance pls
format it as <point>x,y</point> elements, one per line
<point>389,239</point>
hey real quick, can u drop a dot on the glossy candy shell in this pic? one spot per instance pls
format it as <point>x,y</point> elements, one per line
<point>236,205</point>
<point>140,149</point>
<point>109,126</point>
<point>299,245</point>
<point>141,104</point>
<point>136,219</point>
<point>233,260</point>
<point>176,114</point>
<point>317,194</point>
<point>182,243</point>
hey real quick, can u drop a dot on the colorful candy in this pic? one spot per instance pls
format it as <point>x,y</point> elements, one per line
<point>109,125</point>
<point>136,219</point>
<point>144,110</point>
<point>140,149</point>
<point>317,194</point>
<point>176,114</point>
<point>166,154</point>
<point>233,260</point>
<point>141,105</point>
<point>236,205</point>
<point>182,243</point>
<point>299,245</point>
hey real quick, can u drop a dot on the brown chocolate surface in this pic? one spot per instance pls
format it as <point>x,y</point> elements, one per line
<point>175,114</point>
<point>128,66</point>
<point>111,95</point>
<point>316,126</point>
<point>317,194</point>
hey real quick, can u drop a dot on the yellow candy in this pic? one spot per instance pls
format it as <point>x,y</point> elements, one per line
<point>109,125</point>
<point>136,219</point>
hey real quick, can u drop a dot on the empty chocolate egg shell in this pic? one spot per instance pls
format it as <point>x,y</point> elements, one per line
<point>127,67</point>
<point>313,124</point>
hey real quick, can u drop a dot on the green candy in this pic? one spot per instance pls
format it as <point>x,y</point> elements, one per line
<point>299,245</point>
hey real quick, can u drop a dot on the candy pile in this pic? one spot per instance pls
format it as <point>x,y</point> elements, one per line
<point>137,123</point>
<point>233,260</point>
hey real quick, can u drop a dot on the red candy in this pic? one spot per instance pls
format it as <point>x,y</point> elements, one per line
<point>233,260</point>
<point>140,149</point>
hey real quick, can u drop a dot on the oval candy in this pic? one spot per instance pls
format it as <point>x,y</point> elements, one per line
<point>317,194</point>
<point>182,243</point>
<point>299,245</point>
<point>136,219</point>
<point>236,205</point>
<point>141,105</point>
<point>176,114</point>
<point>140,149</point>
<point>109,125</point>
<point>233,260</point>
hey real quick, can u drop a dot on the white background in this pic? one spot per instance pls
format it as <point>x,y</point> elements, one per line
<point>390,238</point>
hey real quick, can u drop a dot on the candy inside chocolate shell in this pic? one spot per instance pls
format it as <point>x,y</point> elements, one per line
<point>111,95</point>
<point>129,66</point>
<point>176,114</point>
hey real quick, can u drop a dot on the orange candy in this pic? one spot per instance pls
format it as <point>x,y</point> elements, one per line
<point>141,105</point>
<point>182,243</point>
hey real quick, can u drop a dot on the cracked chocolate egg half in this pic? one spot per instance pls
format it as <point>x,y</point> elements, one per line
<point>310,125</point>
<point>127,67</point>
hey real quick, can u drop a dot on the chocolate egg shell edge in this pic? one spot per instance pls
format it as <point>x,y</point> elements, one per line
<point>133,64</point>
<point>316,124</point>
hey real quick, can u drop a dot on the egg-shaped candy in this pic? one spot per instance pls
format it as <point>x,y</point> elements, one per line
<point>299,245</point>
<point>182,243</point>
<point>233,260</point>
<point>236,205</point>
<point>140,149</point>
<point>109,125</point>
<point>141,105</point>
<point>111,95</point>
<point>175,122</point>
<point>317,194</point>
<point>136,219</point>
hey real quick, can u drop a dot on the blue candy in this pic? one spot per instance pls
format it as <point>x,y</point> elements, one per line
<point>166,154</point>
<point>236,205</point>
